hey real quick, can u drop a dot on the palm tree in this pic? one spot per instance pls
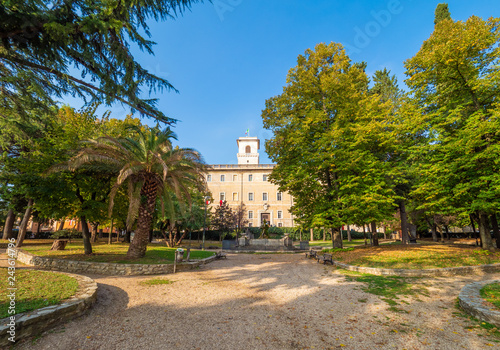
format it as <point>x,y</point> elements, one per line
<point>150,166</point>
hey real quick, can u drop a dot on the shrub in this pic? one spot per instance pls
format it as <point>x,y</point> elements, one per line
<point>68,233</point>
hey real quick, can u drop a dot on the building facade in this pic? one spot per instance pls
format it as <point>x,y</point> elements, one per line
<point>248,183</point>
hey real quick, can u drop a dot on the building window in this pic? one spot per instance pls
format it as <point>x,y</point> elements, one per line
<point>280,224</point>
<point>222,196</point>
<point>264,196</point>
<point>235,178</point>
<point>264,177</point>
<point>250,196</point>
<point>222,178</point>
<point>250,177</point>
<point>248,149</point>
<point>250,214</point>
<point>278,196</point>
<point>250,224</point>
<point>235,196</point>
<point>209,178</point>
<point>280,214</point>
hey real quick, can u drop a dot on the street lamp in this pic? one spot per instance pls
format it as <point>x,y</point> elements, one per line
<point>204,220</point>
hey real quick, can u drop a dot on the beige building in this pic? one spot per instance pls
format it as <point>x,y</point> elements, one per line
<point>247,182</point>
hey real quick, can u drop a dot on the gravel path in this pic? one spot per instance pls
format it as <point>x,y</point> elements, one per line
<point>264,302</point>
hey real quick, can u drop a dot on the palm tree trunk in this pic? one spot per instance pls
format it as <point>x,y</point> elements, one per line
<point>149,191</point>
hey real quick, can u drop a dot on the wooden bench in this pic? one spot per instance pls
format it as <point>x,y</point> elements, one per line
<point>312,254</point>
<point>326,258</point>
<point>220,255</point>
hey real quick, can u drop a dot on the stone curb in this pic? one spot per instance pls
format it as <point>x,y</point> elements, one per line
<point>449,271</point>
<point>471,301</point>
<point>99,268</point>
<point>34,322</point>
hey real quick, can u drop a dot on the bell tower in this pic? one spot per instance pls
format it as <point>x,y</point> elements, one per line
<point>248,148</point>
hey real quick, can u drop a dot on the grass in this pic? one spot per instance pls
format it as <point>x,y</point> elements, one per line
<point>35,289</point>
<point>491,293</point>
<point>114,253</point>
<point>156,281</point>
<point>422,256</point>
<point>389,288</point>
<point>491,331</point>
<point>345,243</point>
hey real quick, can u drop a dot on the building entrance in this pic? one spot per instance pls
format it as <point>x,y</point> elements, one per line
<point>265,216</point>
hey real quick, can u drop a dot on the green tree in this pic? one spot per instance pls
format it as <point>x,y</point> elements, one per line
<point>42,41</point>
<point>150,166</point>
<point>223,219</point>
<point>455,80</point>
<point>442,12</point>
<point>328,142</point>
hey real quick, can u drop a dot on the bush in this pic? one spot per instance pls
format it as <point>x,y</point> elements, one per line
<point>68,233</point>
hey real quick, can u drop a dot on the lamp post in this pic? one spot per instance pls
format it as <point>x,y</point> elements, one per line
<point>204,220</point>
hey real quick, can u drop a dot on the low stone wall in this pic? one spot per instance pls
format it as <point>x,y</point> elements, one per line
<point>471,301</point>
<point>34,322</point>
<point>99,268</point>
<point>450,271</point>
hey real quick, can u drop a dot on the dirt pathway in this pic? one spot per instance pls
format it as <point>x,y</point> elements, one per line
<point>264,302</point>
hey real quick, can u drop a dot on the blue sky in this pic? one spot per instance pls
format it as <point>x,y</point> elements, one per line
<point>228,57</point>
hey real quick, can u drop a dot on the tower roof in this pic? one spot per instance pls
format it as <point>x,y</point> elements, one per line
<point>248,138</point>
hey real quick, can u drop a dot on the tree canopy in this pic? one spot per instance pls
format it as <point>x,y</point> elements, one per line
<point>82,48</point>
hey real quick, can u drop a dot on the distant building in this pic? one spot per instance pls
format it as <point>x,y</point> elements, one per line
<point>248,182</point>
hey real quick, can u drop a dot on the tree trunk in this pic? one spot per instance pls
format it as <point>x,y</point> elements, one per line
<point>59,244</point>
<point>324,234</point>
<point>447,232</point>
<point>364,234</point>
<point>38,228</point>
<point>312,234</point>
<point>496,231</point>
<point>432,225</point>
<point>9,224</point>
<point>337,237</point>
<point>93,236</point>
<point>440,230</point>
<point>349,237</point>
<point>149,190</point>
<point>385,231</point>
<point>61,224</point>
<point>127,236</point>
<point>374,234</point>
<point>474,228</point>
<point>110,235</point>
<point>404,222</point>
<point>484,232</point>
<point>181,238</point>
<point>24,224</point>
<point>87,245</point>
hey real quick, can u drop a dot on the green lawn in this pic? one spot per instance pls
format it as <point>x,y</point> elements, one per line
<point>345,243</point>
<point>35,289</point>
<point>114,253</point>
<point>421,256</point>
<point>491,293</point>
